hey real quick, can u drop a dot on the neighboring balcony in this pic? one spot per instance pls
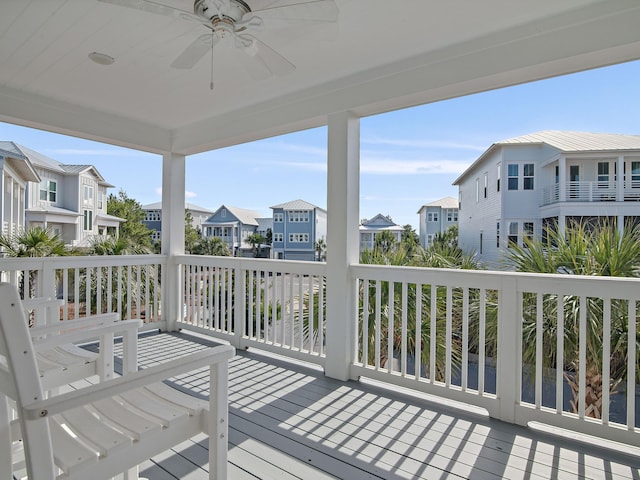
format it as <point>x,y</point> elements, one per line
<point>591,191</point>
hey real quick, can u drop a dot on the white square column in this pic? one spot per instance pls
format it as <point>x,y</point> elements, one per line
<point>343,207</point>
<point>173,188</point>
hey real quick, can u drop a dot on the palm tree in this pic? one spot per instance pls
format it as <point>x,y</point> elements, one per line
<point>213,246</point>
<point>32,242</point>
<point>583,250</point>
<point>321,250</point>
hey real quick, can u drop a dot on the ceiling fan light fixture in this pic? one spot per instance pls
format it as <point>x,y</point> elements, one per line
<point>101,58</point>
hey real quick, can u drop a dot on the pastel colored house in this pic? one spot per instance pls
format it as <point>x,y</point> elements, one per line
<point>233,225</point>
<point>297,226</point>
<point>370,228</point>
<point>522,185</point>
<point>437,217</point>
<point>153,217</point>
<point>16,171</point>
<point>70,200</point>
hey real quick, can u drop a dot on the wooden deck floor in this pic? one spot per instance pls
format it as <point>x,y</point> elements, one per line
<point>290,422</point>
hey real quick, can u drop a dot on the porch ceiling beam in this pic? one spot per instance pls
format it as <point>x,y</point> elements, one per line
<point>68,119</point>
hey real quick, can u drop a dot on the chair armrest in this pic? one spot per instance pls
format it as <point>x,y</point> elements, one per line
<point>125,327</point>
<point>157,373</point>
<point>75,324</point>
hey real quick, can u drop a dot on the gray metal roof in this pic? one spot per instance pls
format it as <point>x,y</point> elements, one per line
<point>446,202</point>
<point>565,142</point>
<point>297,205</point>
<point>18,161</point>
<point>188,206</point>
<point>578,141</point>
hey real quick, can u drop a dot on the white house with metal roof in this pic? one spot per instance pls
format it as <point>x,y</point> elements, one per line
<point>70,200</point>
<point>369,229</point>
<point>437,217</point>
<point>297,226</point>
<point>233,225</point>
<point>521,185</point>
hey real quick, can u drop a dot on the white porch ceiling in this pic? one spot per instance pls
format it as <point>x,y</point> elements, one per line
<point>386,55</point>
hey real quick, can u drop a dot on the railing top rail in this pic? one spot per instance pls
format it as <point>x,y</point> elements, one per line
<point>565,284</point>
<point>261,264</point>
<point>34,263</point>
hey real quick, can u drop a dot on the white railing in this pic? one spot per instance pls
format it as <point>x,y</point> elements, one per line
<point>128,284</point>
<point>490,339</point>
<point>590,192</point>
<point>276,306</point>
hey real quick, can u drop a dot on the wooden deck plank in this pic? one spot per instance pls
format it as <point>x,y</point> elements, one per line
<point>292,419</point>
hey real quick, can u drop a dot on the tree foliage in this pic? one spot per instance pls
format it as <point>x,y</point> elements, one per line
<point>132,229</point>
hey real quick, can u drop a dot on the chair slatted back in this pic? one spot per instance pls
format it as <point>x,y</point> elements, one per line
<point>21,381</point>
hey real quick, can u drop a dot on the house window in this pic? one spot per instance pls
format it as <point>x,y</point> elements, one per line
<point>432,217</point>
<point>299,216</point>
<point>480,243</point>
<point>48,189</point>
<point>499,173</point>
<point>278,237</point>
<point>603,174</point>
<point>459,199</point>
<point>88,220</point>
<point>429,239</point>
<point>486,184</point>
<point>477,190</point>
<point>452,215</point>
<point>635,172</point>
<point>278,217</point>
<point>527,179</point>
<point>527,232</point>
<point>513,233</point>
<point>512,176</point>
<point>88,195</point>
<point>498,234</point>
<point>298,238</point>
<point>223,213</point>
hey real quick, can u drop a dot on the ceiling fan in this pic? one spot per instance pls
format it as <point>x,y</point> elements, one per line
<point>238,20</point>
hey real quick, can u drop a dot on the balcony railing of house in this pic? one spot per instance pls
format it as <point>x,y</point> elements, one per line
<point>559,350</point>
<point>591,192</point>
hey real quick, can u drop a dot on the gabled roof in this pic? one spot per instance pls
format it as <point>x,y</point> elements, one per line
<point>379,220</point>
<point>18,161</point>
<point>297,205</point>
<point>188,206</point>
<point>565,142</point>
<point>42,161</point>
<point>265,223</point>
<point>247,217</point>
<point>446,202</point>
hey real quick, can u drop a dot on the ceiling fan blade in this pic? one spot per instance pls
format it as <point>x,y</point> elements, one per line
<point>153,6</point>
<point>194,52</point>
<point>312,12</point>
<point>263,61</point>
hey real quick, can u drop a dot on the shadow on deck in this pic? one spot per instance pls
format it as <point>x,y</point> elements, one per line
<point>288,421</point>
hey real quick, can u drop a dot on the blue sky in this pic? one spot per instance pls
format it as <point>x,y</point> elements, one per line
<point>408,158</point>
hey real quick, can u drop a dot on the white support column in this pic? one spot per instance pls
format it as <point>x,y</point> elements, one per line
<point>343,198</point>
<point>620,179</point>
<point>173,188</point>
<point>562,179</point>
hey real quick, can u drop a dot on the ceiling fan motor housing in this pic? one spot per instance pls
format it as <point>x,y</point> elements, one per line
<point>221,13</point>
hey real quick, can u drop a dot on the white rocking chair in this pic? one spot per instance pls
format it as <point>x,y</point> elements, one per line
<point>60,361</point>
<point>102,430</point>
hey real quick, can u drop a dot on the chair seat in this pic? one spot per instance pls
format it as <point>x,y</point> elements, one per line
<point>58,364</point>
<point>107,428</point>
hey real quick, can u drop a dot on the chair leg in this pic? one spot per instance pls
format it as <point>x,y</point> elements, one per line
<point>5,439</point>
